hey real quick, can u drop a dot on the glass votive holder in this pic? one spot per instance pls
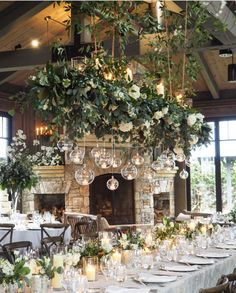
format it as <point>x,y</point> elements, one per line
<point>39,284</point>
<point>90,267</point>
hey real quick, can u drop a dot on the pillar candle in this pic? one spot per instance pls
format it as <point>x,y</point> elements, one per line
<point>116,257</point>
<point>90,272</point>
<point>57,262</point>
<point>160,89</point>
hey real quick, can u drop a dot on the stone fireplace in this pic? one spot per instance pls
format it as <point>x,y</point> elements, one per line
<point>58,182</point>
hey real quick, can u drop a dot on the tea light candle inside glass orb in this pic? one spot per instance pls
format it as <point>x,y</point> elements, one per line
<point>84,175</point>
<point>112,183</point>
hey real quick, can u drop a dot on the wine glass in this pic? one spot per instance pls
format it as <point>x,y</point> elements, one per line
<point>106,266</point>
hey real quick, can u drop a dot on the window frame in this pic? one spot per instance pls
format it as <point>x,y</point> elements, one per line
<point>219,203</point>
<point>9,128</point>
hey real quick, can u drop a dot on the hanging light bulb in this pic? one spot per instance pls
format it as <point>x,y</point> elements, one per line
<point>77,155</point>
<point>129,171</point>
<point>137,159</point>
<point>112,183</point>
<point>104,160</point>
<point>84,175</point>
<point>183,174</point>
<point>65,144</point>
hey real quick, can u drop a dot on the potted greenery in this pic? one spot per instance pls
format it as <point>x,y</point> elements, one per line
<point>17,174</point>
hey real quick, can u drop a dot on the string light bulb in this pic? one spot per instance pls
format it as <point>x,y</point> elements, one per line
<point>35,43</point>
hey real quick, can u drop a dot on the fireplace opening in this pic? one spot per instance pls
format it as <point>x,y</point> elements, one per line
<point>53,203</point>
<point>161,206</point>
<point>117,206</point>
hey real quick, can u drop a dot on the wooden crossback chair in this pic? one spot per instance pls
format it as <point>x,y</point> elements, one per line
<point>7,234</point>
<point>9,249</point>
<point>232,281</point>
<point>220,288</point>
<point>48,240</point>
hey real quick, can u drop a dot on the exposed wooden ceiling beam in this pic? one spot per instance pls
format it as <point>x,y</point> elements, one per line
<point>208,77</point>
<point>24,59</point>
<point>7,76</point>
<point>19,11</point>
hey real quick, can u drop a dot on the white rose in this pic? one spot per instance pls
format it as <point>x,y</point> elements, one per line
<point>126,127</point>
<point>191,120</point>
<point>178,150</point>
<point>158,115</point>
<point>165,110</point>
<point>134,91</point>
<point>200,117</point>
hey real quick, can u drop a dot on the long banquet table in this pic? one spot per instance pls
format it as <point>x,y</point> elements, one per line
<point>189,282</point>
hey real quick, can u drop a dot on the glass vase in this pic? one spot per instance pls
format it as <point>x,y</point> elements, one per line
<point>90,267</point>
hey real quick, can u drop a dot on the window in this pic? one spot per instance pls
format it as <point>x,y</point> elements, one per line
<point>213,170</point>
<point>5,134</point>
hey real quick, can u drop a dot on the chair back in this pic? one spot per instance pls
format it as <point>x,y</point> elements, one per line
<point>232,282</point>
<point>7,230</point>
<point>9,249</point>
<point>48,237</point>
<point>87,227</point>
<point>220,288</point>
<point>196,214</point>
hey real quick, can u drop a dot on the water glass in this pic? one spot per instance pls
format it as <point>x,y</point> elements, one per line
<point>120,273</point>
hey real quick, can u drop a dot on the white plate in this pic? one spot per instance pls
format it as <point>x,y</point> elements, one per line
<point>213,254</point>
<point>231,242</point>
<point>149,278</point>
<point>180,268</point>
<point>226,246</point>
<point>196,261</point>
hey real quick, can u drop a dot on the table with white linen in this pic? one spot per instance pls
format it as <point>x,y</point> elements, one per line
<point>34,235</point>
<point>189,282</point>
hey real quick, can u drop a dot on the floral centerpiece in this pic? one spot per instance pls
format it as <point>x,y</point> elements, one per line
<point>94,248</point>
<point>131,240</point>
<point>17,174</point>
<point>17,274</point>
<point>44,266</point>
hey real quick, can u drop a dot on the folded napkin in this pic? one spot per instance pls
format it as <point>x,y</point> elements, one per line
<point>183,217</point>
<point>115,289</point>
<point>149,278</point>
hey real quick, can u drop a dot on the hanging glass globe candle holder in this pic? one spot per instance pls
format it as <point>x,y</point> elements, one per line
<point>183,174</point>
<point>77,155</point>
<point>65,144</point>
<point>157,164</point>
<point>169,164</point>
<point>95,152</point>
<point>137,159</point>
<point>129,171</point>
<point>112,183</point>
<point>104,160</point>
<point>116,162</point>
<point>180,157</point>
<point>84,175</point>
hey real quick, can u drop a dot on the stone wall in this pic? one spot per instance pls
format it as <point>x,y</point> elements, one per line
<point>62,180</point>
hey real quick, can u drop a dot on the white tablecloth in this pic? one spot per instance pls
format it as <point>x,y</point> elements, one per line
<point>34,235</point>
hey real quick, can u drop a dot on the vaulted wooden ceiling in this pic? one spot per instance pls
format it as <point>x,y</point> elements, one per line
<point>22,21</point>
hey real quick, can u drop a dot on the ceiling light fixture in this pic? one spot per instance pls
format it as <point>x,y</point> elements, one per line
<point>225,53</point>
<point>35,43</point>
<point>232,71</point>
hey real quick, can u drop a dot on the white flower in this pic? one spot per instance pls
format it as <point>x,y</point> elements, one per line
<point>194,140</point>
<point>191,120</point>
<point>126,127</point>
<point>158,115</point>
<point>178,150</point>
<point>165,110</point>
<point>200,117</point>
<point>134,91</point>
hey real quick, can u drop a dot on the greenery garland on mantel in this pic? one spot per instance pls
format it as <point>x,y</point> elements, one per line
<point>101,99</point>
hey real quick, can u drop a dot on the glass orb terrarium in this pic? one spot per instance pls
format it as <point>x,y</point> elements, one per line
<point>104,160</point>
